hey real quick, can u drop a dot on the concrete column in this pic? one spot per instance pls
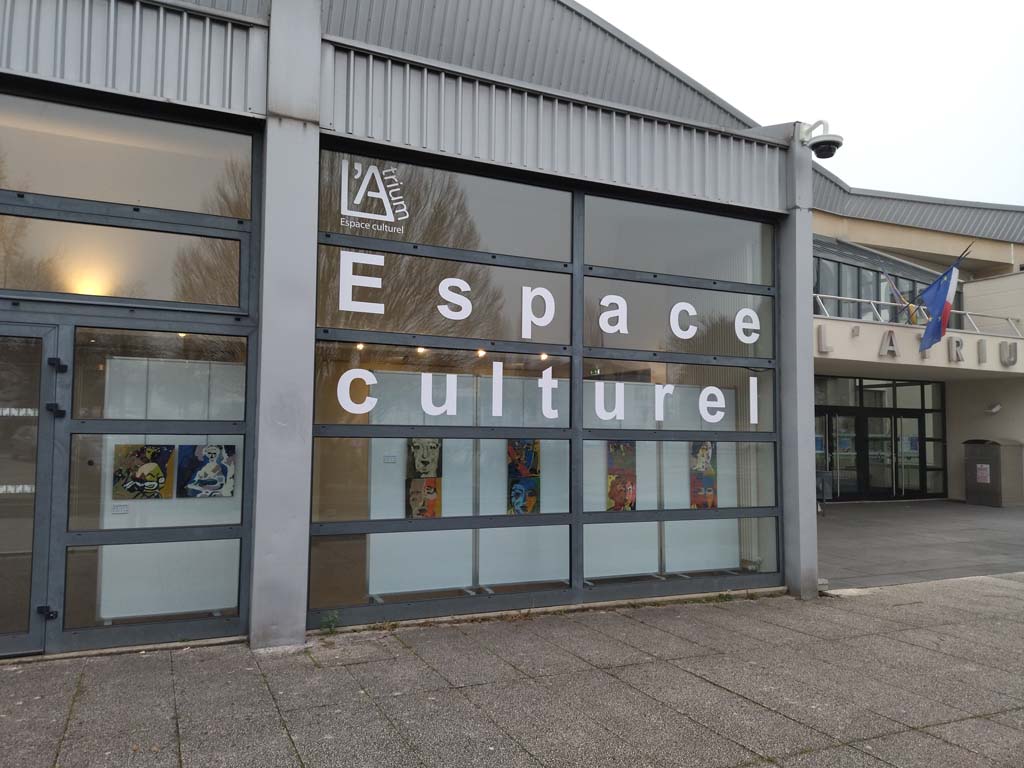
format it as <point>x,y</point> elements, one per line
<point>796,378</point>
<point>287,322</point>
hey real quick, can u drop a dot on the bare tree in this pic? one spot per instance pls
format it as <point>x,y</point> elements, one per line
<point>207,269</point>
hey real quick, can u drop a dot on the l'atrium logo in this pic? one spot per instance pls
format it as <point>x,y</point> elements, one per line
<point>358,209</point>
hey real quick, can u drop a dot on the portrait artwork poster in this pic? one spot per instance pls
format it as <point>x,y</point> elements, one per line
<point>423,465</point>
<point>143,472</point>
<point>523,477</point>
<point>621,480</point>
<point>703,475</point>
<point>206,471</point>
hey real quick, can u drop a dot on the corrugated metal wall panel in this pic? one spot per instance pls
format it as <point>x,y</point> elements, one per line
<point>407,105</point>
<point>254,9</point>
<point>139,49</point>
<point>543,42</point>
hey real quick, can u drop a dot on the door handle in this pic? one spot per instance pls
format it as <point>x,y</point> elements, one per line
<point>58,364</point>
<point>56,410</point>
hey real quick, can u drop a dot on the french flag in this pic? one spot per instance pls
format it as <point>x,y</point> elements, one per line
<point>938,298</point>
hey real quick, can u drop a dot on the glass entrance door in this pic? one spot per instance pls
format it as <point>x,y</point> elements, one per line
<point>878,455</point>
<point>908,455</point>
<point>835,448</point>
<point>26,445</point>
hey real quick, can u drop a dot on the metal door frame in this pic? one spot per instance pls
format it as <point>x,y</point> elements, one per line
<point>922,448</point>
<point>34,640</point>
<point>864,463</point>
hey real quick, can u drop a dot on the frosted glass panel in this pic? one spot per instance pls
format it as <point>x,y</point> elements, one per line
<point>369,569</point>
<point>119,583</point>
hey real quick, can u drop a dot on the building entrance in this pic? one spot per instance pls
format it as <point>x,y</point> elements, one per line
<point>880,451</point>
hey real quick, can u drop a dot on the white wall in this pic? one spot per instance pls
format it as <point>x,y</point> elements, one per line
<point>966,419</point>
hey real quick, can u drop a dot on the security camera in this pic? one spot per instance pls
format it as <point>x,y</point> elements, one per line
<point>825,144</point>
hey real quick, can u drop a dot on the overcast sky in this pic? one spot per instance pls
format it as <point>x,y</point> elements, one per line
<point>929,96</point>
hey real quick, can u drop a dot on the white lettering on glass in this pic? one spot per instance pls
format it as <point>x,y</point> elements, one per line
<point>529,318</point>
<point>613,320</point>
<point>661,391</point>
<point>447,408</point>
<point>711,402</point>
<point>618,411</point>
<point>547,384</point>
<point>386,188</point>
<point>673,320</point>
<point>747,325</point>
<point>345,390</point>
<point>348,280</point>
<point>497,388</point>
<point>711,405</point>
<point>447,292</point>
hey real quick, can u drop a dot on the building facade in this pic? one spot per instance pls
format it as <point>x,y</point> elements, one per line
<point>366,312</point>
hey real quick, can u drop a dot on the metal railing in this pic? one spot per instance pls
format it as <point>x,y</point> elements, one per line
<point>1001,326</point>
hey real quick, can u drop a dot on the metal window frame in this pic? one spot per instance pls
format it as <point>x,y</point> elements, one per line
<point>578,591</point>
<point>65,313</point>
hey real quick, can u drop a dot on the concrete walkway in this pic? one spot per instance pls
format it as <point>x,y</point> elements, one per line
<point>880,543</point>
<point>924,675</point>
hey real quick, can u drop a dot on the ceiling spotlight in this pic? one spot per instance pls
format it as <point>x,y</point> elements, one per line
<point>421,350</point>
<point>480,353</point>
<point>543,355</point>
<point>360,346</point>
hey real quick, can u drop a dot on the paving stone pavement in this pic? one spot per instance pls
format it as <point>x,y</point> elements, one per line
<point>927,674</point>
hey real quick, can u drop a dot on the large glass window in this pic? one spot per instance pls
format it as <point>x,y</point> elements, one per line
<point>155,481</point>
<point>665,318</point>
<point>131,237</point>
<point>628,394</point>
<point>397,201</point>
<point>632,475</point>
<point>123,374</point>
<point>113,584</point>
<point>455,415</point>
<point>381,568</point>
<point>377,384</point>
<point>669,241</point>
<point>827,285</point>
<point>57,149</point>
<point>373,291</point>
<point>679,548</point>
<point>384,478</point>
<point>65,257</point>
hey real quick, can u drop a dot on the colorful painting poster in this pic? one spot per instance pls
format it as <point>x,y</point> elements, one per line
<point>423,477</point>
<point>523,477</point>
<point>206,471</point>
<point>703,476</point>
<point>621,487</point>
<point>423,495</point>
<point>143,472</point>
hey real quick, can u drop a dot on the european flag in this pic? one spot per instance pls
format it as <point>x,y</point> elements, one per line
<point>938,298</point>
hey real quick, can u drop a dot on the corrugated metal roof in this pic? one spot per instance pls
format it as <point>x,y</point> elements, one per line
<point>830,248</point>
<point>561,45</point>
<point>556,44</point>
<point>959,217</point>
